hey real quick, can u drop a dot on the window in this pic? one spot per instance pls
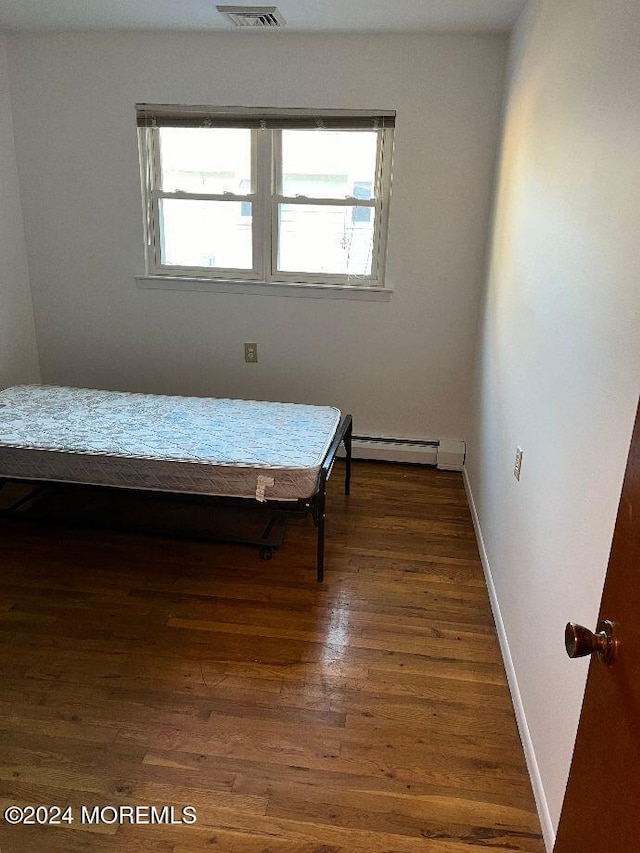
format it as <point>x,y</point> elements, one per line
<point>267,196</point>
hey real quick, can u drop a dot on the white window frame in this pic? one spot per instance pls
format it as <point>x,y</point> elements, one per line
<point>266,189</point>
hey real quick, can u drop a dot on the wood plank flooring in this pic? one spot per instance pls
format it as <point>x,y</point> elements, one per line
<point>367,714</point>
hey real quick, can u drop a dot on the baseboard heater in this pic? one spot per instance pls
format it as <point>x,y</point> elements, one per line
<point>444,454</point>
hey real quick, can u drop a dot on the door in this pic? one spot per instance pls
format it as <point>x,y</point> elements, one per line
<point>601,810</point>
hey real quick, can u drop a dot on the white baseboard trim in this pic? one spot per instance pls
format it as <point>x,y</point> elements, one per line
<point>546,823</point>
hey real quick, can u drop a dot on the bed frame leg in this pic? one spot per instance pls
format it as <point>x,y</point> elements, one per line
<point>320,517</point>
<point>318,502</point>
<point>347,447</point>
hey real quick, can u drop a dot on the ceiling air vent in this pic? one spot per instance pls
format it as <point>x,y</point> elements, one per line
<point>253,16</point>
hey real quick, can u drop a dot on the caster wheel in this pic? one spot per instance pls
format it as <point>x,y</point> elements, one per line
<point>266,553</point>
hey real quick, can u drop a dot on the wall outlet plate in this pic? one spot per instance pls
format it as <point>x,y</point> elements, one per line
<point>251,353</point>
<point>517,468</point>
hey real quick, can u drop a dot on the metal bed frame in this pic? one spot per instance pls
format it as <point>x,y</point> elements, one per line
<point>316,504</point>
<point>319,500</point>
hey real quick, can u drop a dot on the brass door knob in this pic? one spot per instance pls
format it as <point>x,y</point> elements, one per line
<point>579,641</point>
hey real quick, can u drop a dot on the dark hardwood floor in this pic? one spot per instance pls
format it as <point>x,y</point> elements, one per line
<point>367,714</point>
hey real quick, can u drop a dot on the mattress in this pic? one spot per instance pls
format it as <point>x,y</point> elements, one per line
<point>199,445</point>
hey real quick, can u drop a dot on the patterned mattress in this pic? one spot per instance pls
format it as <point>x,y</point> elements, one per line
<point>231,448</point>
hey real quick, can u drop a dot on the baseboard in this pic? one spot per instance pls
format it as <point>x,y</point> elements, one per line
<point>546,823</point>
<point>394,450</point>
<point>444,454</point>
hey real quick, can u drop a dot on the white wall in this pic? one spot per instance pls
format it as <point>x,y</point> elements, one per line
<point>402,367</point>
<point>18,353</point>
<point>559,347</point>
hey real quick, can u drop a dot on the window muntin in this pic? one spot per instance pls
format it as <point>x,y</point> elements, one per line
<point>266,203</point>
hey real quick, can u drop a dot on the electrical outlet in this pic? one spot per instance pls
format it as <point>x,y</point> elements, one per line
<point>517,468</point>
<point>251,353</point>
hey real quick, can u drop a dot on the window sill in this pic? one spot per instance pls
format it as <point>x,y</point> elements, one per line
<point>272,288</point>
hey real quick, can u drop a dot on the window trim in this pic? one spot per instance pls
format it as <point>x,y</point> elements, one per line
<point>266,161</point>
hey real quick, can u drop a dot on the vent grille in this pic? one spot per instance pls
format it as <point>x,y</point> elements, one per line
<point>253,16</point>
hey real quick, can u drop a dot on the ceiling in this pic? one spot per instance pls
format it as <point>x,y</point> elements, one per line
<point>300,15</point>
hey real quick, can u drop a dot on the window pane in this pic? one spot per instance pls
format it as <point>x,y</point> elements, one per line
<point>328,163</point>
<point>325,239</point>
<point>205,160</point>
<point>206,233</point>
